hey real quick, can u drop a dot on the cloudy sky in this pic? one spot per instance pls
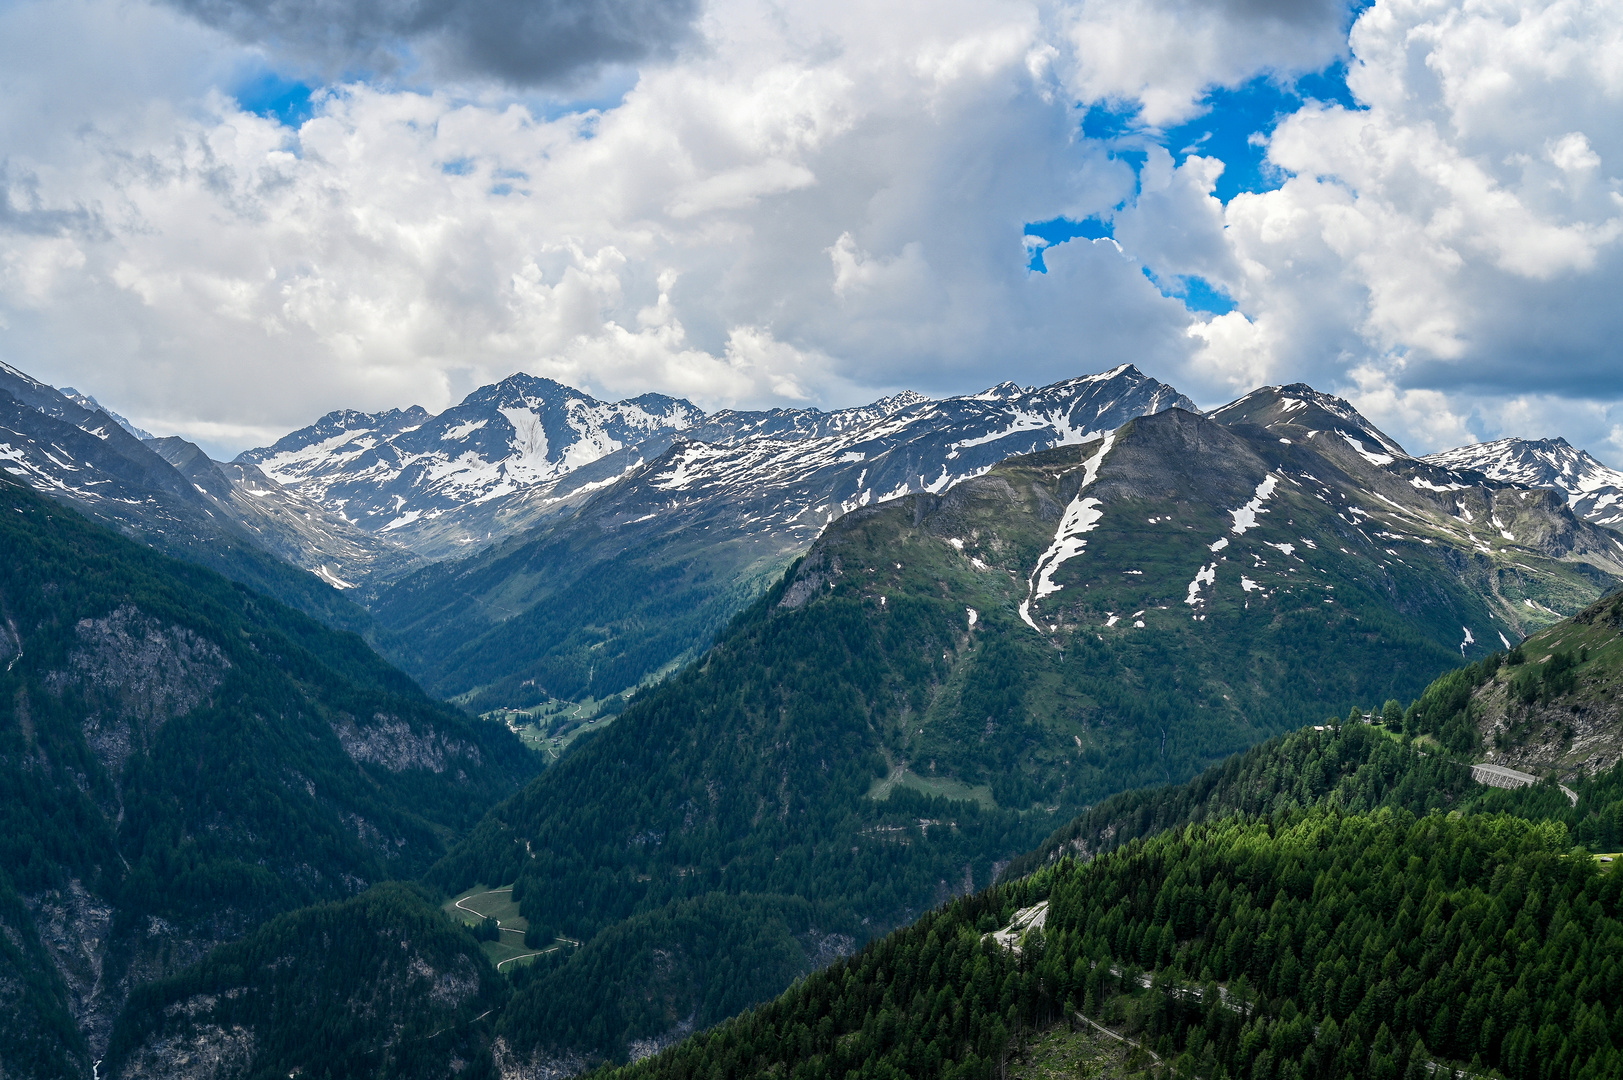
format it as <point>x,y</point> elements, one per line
<point>226,217</point>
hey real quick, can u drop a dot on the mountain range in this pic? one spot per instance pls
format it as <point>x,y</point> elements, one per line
<point>941,674</point>
<point>526,449</point>
<point>534,545</point>
<point>648,570</point>
<point>860,660</point>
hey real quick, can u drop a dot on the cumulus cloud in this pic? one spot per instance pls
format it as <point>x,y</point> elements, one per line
<point>775,221</point>
<point>522,42</point>
<point>818,204</point>
<point>1449,243</point>
<point>1162,56</point>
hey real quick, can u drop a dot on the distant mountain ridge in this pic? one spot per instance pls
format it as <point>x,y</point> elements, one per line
<point>167,493</point>
<point>514,454</point>
<point>1593,490</point>
<point>433,482</point>
<point>651,567</point>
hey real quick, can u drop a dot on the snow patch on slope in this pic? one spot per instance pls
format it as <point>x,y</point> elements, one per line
<point>1246,516</point>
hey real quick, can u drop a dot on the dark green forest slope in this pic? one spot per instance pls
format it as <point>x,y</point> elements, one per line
<point>181,758</point>
<point>398,991</point>
<point>691,963</point>
<point>1312,943</point>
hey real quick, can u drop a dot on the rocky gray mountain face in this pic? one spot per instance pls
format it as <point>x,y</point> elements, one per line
<point>1593,490</point>
<point>645,573</point>
<point>168,494</point>
<point>180,759</point>
<point>286,523</point>
<point>85,401</point>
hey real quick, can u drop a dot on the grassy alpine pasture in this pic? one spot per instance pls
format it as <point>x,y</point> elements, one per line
<point>944,787</point>
<point>510,945</point>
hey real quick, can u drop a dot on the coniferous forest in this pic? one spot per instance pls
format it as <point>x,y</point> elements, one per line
<point>1300,943</point>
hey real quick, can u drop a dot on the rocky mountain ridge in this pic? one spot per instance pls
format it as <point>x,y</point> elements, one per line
<point>1593,490</point>
<point>167,493</point>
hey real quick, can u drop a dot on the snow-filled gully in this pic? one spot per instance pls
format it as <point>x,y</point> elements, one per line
<point>1081,517</point>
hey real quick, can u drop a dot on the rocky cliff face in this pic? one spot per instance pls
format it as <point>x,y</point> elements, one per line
<point>134,674</point>
<point>1557,709</point>
<point>396,745</point>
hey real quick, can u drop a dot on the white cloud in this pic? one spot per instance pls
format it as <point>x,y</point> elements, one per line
<point>810,208</point>
<point>819,203</point>
<point>1165,54</point>
<point>1441,251</point>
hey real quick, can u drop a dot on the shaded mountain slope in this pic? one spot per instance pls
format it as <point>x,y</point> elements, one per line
<point>90,462</point>
<point>181,757</point>
<point>645,982</point>
<point>378,985</point>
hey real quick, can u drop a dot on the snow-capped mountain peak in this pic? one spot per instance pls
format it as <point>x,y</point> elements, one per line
<point>1593,490</point>
<point>85,401</point>
<point>1301,411</point>
<point>793,479</point>
<point>388,471</point>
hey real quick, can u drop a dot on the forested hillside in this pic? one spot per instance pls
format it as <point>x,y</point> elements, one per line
<point>1304,943</point>
<point>378,985</point>
<point>690,963</point>
<point>181,758</point>
<point>1549,705</point>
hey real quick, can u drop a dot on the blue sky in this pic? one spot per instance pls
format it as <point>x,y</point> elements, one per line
<point>276,97</point>
<point>1232,126</point>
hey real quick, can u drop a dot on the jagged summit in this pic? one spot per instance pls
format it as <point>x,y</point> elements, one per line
<point>85,401</point>
<point>1299,410</point>
<point>1593,490</point>
<point>401,471</point>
